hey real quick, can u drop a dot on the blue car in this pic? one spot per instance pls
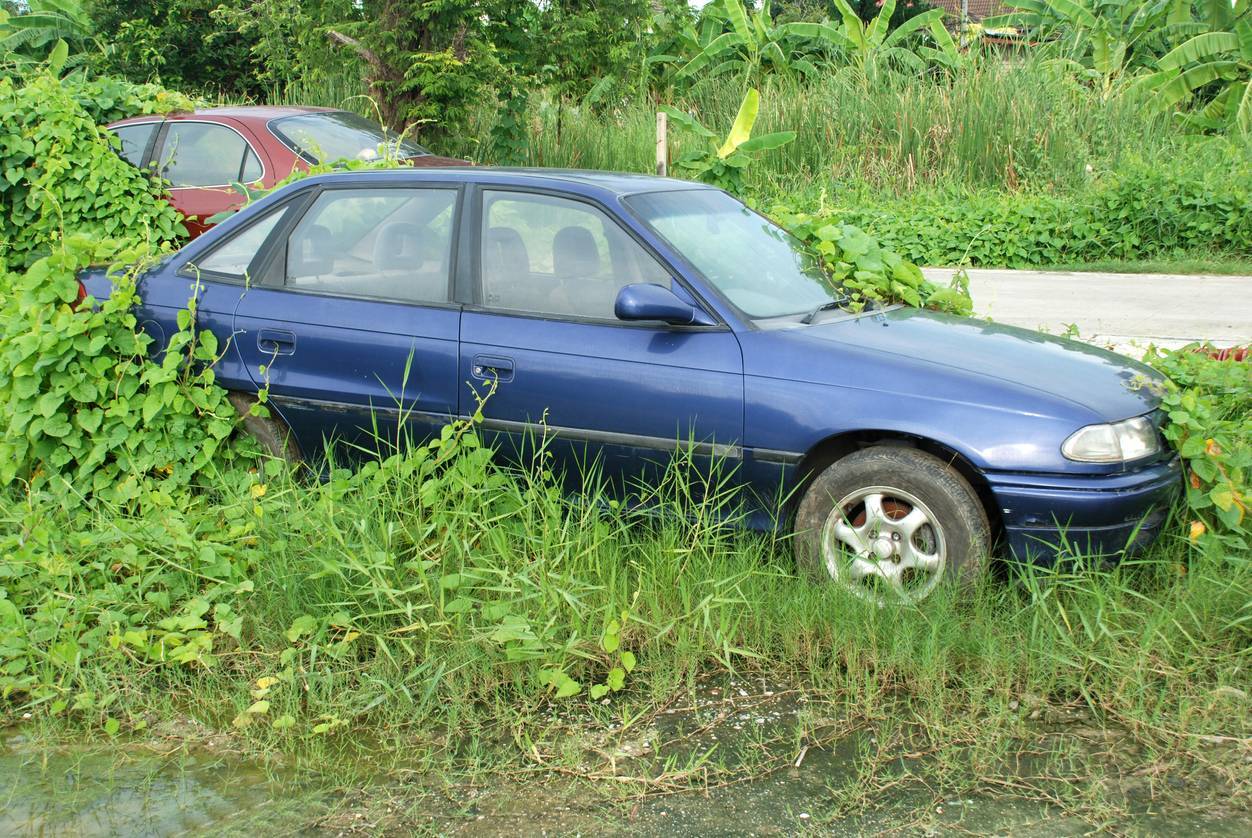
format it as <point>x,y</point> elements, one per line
<point>625,317</point>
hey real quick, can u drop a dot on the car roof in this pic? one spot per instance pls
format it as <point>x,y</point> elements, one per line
<point>243,113</point>
<point>585,181</point>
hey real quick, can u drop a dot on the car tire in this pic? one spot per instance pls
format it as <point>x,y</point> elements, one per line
<point>891,523</point>
<point>270,432</point>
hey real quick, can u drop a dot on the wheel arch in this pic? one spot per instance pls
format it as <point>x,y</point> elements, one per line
<point>837,446</point>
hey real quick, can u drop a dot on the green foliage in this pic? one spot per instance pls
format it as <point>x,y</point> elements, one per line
<point>1102,39</point>
<point>60,173</point>
<point>1208,408</point>
<point>875,46</point>
<point>753,44</point>
<point>107,99</point>
<point>27,39</point>
<point>859,264</point>
<point>1217,66</point>
<point>722,165</point>
<point>425,62</point>
<point>1139,212</point>
<point>84,411</point>
<point>179,43</point>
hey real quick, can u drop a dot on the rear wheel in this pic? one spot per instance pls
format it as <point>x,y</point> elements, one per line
<point>890,524</point>
<point>271,432</point>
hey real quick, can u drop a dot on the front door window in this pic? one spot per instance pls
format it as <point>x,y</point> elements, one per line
<point>556,256</point>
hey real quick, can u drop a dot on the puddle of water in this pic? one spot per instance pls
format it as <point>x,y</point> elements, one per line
<point>135,791</point>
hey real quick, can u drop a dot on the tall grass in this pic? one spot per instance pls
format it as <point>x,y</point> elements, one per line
<point>993,124</point>
<point>424,602</point>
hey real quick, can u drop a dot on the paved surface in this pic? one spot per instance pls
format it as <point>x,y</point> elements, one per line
<point>1123,311</point>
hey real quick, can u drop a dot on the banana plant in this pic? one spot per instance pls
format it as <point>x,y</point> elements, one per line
<point>874,45</point>
<point>26,38</point>
<point>1103,39</point>
<point>756,44</point>
<point>722,164</point>
<point>1221,59</point>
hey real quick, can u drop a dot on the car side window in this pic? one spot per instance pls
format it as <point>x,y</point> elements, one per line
<point>134,139</point>
<point>204,154</point>
<point>550,255</point>
<point>393,244</point>
<point>234,256</point>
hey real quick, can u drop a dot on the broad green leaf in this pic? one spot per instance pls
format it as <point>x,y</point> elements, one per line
<point>912,25</point>
<point>1243,116</point>
<point>819,31</point>
<point>57,58</point>
<point>686,120</point>
<point>1182,85</point>
<point>767,141</point>
<point>1199,48</point>
<point>853,27</point>
<point>719,45</point>
<point>1074,12</point>
<point>1243,32</point>
<point>739,20</point>
<point>744,120</point>
<point>616,679</point>
<point>877,29</point>
<point>567,686</point>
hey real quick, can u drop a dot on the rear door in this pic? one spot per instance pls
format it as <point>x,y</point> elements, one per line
<point>201,160</point>
<point>350,322</point>
<point>543,342</point>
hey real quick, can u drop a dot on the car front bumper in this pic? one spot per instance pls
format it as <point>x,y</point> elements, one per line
<point>1047,516</point>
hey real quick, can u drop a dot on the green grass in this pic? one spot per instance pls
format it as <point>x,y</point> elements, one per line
<point>1198,265</point>
<point>994,125</point>
<point>409,613</point>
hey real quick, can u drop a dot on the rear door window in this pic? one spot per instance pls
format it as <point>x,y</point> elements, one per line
<point>206,154</point>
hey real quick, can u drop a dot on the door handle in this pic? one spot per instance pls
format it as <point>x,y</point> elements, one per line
<point>488,367</point>
<point>276,341</point>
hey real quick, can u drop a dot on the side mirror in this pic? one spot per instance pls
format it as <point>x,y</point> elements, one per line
<point>644,301</point>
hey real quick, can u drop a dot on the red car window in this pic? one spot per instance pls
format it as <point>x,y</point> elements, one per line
<point>205,154</point>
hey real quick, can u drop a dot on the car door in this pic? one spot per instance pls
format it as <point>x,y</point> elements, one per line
<point>201,160</point>
<point>543,345</point>
<point>216,275</point>
<point>350,323</point>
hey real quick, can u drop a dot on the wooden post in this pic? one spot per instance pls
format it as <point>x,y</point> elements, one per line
<point>662,146</point>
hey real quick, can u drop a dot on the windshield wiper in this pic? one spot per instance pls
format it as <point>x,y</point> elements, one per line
<point>839,303</point>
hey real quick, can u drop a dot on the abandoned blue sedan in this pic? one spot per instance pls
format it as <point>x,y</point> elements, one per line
<point>624,317</point>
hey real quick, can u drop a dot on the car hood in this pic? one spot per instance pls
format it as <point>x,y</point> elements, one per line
<point>1111,386</point>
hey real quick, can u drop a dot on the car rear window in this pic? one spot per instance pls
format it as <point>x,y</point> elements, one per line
<point>335,135</point>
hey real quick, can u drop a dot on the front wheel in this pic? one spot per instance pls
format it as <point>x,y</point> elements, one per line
<point>889,524</point>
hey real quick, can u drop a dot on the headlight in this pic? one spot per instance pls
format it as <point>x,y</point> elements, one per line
<point>1116,443</point>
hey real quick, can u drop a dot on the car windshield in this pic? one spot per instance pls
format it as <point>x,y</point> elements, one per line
<point>760,268</point>
<point>334,135</point>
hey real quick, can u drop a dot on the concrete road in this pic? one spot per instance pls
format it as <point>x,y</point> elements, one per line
<point>1123,311</point>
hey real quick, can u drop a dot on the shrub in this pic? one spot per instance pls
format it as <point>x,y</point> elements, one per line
<point>1137,213</point>
<point>60,173</point>
<point>82,406</point>
<point>1208,410</point>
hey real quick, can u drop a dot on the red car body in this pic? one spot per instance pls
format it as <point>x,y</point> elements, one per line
<point>202,153</point>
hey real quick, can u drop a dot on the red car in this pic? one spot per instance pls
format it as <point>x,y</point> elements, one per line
<point>203,152</point>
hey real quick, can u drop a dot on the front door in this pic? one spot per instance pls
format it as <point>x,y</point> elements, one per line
<point>351,325</point>
<point>544,348</point>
